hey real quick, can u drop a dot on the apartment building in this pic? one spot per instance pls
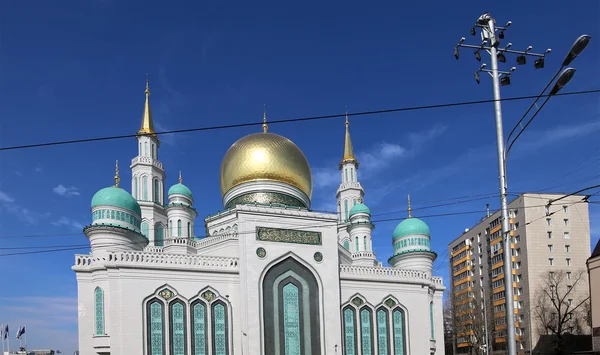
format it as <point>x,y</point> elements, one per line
<point>593,265</point>
<point>546,238</point>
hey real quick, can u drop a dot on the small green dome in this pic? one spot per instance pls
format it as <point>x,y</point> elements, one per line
<point>117,197</point>
<point>411,226</point>
<point>180,189</point>
<point>359,208</point>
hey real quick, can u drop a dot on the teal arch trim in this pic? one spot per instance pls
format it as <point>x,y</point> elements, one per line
<point>145,229</point>
<point>431,321</point>
<point>291,319</point>
<point>178,328</point>
<point>399,332</point>
<point>383,345</point>
<point>135,187</point>
<point>99,306</point>
<point>366,332</point>
<point>347,245</point>
<point>118,216</point>
<point>156,328</point>
<point>220,329</point>
<point>145,188</point>
<point>199,329</point>
<point>159,237</point>
<point>350,343</point>
<point>179,228</point>
<point>156,191</point>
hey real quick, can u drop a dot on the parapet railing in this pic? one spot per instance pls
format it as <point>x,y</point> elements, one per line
<point>386,274</point>
<point>142,258</point>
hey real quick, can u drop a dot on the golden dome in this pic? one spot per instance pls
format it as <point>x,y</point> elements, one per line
<point>265,157</point>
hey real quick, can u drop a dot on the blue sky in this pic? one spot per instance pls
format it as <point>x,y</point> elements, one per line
<point>77,70</point>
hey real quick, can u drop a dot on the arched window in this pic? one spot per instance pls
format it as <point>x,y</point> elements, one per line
<point>156,191</point>
<point>365,243</point>
<point>366,332</point>
<point>220,329</point>
<point>347,244</point>
<point>346,171</point>
<point>144,188</point>
<point>153,152</point>
<point>145,148</point>
<point>199,324</point>
<point>356,244</point>
<point>135,187</point>
<point>179,228</point>
<point>350,343</point>
<point>159,237</point>
<point>291,316</point>
<point>431,322</point>
<point>140,151</point>
<point>177,323</point>
<point>383,342</point>
<point>346,210</point>
<point>351,174</point>
<point>189,229</point>
<point>145,228</point>
<point>354,202</point>
<point>99,306</point>
<point>155,327</point>
<point>399,332</point>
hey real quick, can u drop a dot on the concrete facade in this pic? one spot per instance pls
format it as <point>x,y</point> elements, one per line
<point>544,239</point>
<point>593,266</point>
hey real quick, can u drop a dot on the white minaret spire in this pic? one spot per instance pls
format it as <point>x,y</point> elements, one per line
<point>148,177</point>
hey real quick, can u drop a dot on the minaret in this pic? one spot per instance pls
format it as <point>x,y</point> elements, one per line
<point>360,230</point>
<point>148,176</point>
<point>350,190</point>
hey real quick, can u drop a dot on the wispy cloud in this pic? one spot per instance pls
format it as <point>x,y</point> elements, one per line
<point>65,221</point>
<point>66,191</point>
<point>557,134</point>
<point>9,204</point>
<point>169,138</point>
<point>38,169</point>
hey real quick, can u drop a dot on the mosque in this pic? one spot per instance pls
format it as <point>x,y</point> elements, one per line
<point>269,276</point>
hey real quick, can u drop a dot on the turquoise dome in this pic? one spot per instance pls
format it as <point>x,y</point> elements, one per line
<point>117,197</point>
<point>180,189</point>
<point>359,208</point>
<point>411,226</point>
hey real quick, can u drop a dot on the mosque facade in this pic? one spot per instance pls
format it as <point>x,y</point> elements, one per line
<point>269,276</point>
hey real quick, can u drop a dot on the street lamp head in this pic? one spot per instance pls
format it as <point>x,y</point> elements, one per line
<point>477,77</point>
<point>508,23</point>
<point>462,39</point>
<point>483,65</point>
<point>508,45</point>
<point>501,57</point>
<point>477,55</point>
<point>529,48</point>
<point>456,52</point>
<point>505,80</point>
<point>521,60</point>
<point>538,63</point>
<point>563,80</point>
<point>501,35</point>
<point>576,49</point>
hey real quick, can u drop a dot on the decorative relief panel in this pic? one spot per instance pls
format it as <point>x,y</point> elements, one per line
<point>288,236</point>
<point>357,301</point>
<point>166,294</point>
<point>265,198</point>
<point>208,296</point>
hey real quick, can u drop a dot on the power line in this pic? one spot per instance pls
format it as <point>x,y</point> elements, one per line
<point>302,119</point>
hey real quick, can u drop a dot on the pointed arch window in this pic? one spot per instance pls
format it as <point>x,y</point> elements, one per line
<point>135,187</point>
<point>383,343</point>
<point>153,152</point>
<point>145,228</point>
<point>347,244</point>
<point>156,191</point>
<point>399,332</point>
<point>366,332</point>
<point>365,243</point>
<point>146,148</point>
<point>145,188</point>
<point>351,174</point>
<point>220,329</point>
<point>346,173</point>
<point>179,228</point>
<point>140,151</point>
<point>199,328</point>
<point>356,244</point>
<point>431,321</point>
<point>346,209</point>
<point>99,308</point>
<point>189,230</point>
<point>159,237</point>
<point>155,327</point>
<point>177,324</point>
<point>350,343</point>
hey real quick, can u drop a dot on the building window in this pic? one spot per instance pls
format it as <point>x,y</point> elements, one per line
<point>567,248</point>
<point>177,326</point>
<point>547,210</point>
<point>347,245</point>
<point>382,332</point>
<point>159,238</point>
<point>346,210</point>
<point>550,247</point>
<point>351,174</point>
<point>366,331</point>
<point>399,332</point>
<point>135,187</point>
<point>565,209</point>
<point>551,261</point>
<point>567,235</point>
<point>153,152</point>
<point>291,318</point>
<point>431,321</point>
<point>156,192</point>
<point>356,244</point>
<point>156,328</point>
<point>569,275</point>
<point>145,188</point>
<point>566,222</point>
<point>189,230</point>
<point>179,228</point>
<point>99,303</point>
<point>346,172</point>
<point>549,235</point>
<point>548,221</point>
<point>146,148</point>
<point>220,329</point>
<point>365,243</point>
<point>350,332</point>
<point>568,261</point>
<point>570,302</point>
<point>199,324</point>
<point>145,228</point>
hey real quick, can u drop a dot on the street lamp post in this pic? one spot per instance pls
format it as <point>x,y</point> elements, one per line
<point>490,44</point>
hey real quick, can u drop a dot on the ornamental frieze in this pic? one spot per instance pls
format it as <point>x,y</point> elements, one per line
<point>266,234</point>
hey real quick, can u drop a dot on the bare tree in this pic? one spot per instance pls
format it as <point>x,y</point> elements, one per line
<point>470,322</point>
<point>556,310</point>
<point>448,315</point>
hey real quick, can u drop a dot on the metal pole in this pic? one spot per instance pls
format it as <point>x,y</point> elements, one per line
<point>508,285</point>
